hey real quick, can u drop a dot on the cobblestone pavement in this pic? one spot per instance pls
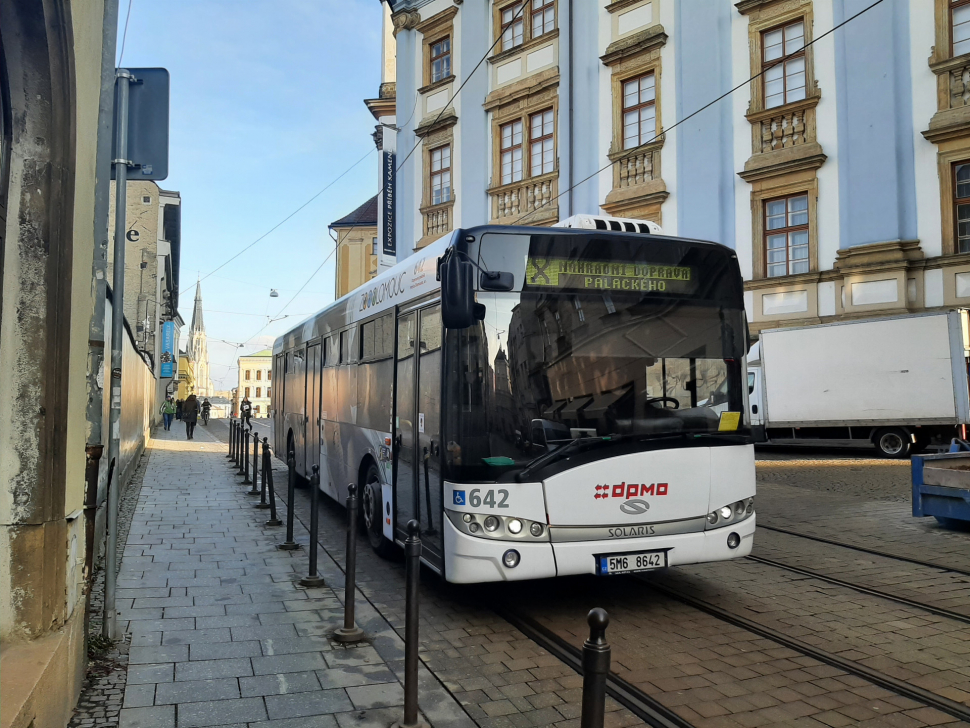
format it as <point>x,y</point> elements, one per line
<point>103,691</point>
<point>502,678</point>
<point>711,672</point>
<point>221,632</point>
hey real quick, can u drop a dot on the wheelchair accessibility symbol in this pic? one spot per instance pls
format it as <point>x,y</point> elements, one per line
<point>459,497</point>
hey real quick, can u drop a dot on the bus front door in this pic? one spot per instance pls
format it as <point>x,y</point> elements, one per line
<point>417,440</point>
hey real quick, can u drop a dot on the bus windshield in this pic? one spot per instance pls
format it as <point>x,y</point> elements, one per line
<point>606,347</point>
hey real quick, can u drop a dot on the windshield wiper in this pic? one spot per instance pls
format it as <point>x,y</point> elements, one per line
<point>560,453</point>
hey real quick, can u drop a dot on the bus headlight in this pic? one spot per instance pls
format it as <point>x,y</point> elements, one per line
<point>505,528</point>
<point>510,558</point>
<point>726,515</point>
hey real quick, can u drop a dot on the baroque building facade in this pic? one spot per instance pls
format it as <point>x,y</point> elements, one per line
<point>839,168</point>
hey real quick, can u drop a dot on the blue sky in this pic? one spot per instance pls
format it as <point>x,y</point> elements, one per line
<point>266,110</point>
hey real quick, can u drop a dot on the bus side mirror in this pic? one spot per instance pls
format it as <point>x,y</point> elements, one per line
<point>457,292</point>
<point>496,281</point>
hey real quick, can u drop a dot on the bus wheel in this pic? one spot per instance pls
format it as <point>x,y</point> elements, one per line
<point>893,442</point>
<point>372,511</point>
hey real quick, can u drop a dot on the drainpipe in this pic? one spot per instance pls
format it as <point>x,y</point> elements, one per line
<point>569,96</point>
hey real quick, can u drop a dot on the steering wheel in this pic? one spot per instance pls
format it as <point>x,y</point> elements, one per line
<point>651,400</point>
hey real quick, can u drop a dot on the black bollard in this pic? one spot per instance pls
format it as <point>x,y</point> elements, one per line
<point>313,579</point>
<point>237,444</point>
<point>244,454</point>
<point>268,474</point>
<point>350,632</point>
<point>231,432</point>
<point>596,666</point>
<point>255,489</point>
<point>262,488</point>
<point>412,558</point>
<point>289,544</point>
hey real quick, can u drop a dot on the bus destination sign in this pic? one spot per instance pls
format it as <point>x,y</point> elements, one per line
<point>595,275</point>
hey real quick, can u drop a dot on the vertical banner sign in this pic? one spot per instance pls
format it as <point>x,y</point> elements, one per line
<point>168,349</point>
<point>389,243</point>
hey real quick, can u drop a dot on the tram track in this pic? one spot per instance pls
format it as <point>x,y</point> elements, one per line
<point>650,710</point>
<point>863,549</point>
<point>877,677</point>
<point>939,611</point>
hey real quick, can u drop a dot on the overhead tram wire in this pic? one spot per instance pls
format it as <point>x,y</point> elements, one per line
<point>478,65</point>
<point>636,150</point>
<point>124,35</point>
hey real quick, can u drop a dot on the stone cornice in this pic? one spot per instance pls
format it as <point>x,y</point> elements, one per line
<point>520,89</point>
<point>618,5</point>
<point>778,162</point>
<point>646,40</point>
<point>405,20</point>
<point>433,123</point>
<point>446,81</point>
<point>949,124</point>
<point>436,21</point>
<point>749,6</point>
<point>893,253</point>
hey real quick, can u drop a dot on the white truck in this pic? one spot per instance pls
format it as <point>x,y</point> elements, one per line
<point>897,383</point>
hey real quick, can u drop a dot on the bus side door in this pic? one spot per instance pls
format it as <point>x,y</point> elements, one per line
<point>313,422</point>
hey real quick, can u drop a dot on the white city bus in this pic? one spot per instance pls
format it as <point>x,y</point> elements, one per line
<point>543,401</point>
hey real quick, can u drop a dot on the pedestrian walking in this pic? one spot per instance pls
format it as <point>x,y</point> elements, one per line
<point>178,409</point>
<point>168,412</point>
<point>190,414</point>
<point>246,411</point>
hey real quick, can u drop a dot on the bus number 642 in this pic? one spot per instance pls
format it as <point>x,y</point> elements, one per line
<point>475,500</point>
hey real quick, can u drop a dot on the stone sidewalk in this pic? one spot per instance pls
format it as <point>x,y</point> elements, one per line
<point>221,632</point>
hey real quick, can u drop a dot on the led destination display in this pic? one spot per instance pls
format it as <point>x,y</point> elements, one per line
<point>596,275</point>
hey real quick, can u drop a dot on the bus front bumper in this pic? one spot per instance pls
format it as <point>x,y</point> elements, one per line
<point>470,560</point>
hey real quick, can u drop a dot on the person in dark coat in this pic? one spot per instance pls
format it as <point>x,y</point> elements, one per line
<point>178,409</point>
<point>190,415</point>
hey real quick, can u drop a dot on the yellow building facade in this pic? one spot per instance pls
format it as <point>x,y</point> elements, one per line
<point>356,247</point>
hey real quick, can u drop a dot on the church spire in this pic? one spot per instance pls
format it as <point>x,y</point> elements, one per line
<point>197,324</point>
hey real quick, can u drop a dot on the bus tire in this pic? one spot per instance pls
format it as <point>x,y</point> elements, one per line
<point>893,442</point>
<point>372,508</point>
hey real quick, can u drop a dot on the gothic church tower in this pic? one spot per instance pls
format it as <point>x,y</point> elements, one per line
<point>198,349</point>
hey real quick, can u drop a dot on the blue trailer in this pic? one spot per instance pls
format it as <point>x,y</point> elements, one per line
<point>941,488</point>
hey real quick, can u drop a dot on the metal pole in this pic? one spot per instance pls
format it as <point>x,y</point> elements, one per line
<point>268,474</point>
<point>240,458</point>
<point>109,628</point>
<point>596,666</point>
<point>313,579</point>
<point>245,462</point>
<point>232,431</point>
<point>430,530</point>
<point>254,490</point>
<point>289,544</point>
<point>350,632</point>
<point>262,483</point>
<point>412,557</point>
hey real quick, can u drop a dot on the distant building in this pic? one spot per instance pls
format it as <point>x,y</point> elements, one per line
<point>198,348</point>
<point>186,376</point>
<point>356,247</point>
<point>153,220</point>
<point>221,407</point>
<point>255,381</point>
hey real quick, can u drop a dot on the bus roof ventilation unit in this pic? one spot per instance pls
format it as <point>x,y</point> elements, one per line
<point>606,222</point>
